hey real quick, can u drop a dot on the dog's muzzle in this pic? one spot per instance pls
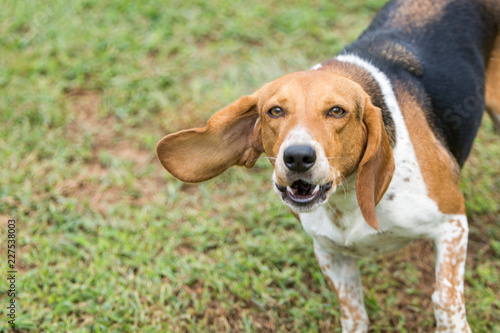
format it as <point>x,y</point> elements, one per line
<point>303,194</point>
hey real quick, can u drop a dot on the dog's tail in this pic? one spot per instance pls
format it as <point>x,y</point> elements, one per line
<point>495,116</point>
<point>493,86</point>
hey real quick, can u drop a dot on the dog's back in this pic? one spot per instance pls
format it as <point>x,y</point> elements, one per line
<point>444,52</point>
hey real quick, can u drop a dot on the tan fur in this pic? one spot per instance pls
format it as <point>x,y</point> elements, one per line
<point>376,168</point>
<point>306,97</point>
<point>439,169</point>
<point>369,85</point>
<point>231,137</point>
<point>417,14</point>
<point>492,6</point>
<point>400,55</point>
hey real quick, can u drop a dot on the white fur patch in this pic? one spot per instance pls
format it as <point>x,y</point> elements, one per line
<point>256,122</point>
<point>316,67</point>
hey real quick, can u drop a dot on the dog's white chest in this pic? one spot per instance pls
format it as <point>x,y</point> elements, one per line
<point>405,213</point>
<point>348,233</point>
<point>354,240</point>
<point>345,231</point>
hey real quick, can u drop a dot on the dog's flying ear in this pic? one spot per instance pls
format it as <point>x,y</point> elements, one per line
<point>376,167</point>
<point>231,137</point>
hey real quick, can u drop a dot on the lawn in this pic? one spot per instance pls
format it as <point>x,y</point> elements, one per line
<point>107,241</point>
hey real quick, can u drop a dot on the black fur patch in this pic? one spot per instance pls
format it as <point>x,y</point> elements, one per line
<point>441,60</point>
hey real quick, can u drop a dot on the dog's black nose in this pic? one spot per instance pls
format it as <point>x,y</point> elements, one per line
<point>299,158</point>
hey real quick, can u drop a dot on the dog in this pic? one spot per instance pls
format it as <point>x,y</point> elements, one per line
<point>391,119</point>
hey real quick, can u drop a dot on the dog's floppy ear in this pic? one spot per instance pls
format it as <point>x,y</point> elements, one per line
<point>376,168</point>
<point>231,137</point>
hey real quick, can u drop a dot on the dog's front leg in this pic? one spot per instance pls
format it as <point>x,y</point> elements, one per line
<point>448,298</point>
<point>342,274</point>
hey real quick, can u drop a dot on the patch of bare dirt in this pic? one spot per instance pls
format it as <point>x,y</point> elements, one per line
<point>85,106</point>
<point>183,249</point>
<point>421,255</point>
<point>91,185</point>
<point>85,103</point>
<point>229,319</point>
<point>125,150</point>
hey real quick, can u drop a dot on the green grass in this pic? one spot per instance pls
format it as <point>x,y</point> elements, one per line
<point>109,242</point>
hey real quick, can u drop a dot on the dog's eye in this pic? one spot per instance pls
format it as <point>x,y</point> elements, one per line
<point>276,112</point>
<point>336,112</point>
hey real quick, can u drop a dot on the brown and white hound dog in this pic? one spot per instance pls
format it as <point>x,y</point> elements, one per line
<point>367,147</point>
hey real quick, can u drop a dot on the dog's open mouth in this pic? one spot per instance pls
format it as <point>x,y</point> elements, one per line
<point>302,193</point>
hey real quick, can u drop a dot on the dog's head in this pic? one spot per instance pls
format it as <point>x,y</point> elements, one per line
<point>316,127</point>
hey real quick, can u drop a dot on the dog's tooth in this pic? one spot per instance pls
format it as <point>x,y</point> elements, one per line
<point>316,189</point>
<point>289,189</point>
